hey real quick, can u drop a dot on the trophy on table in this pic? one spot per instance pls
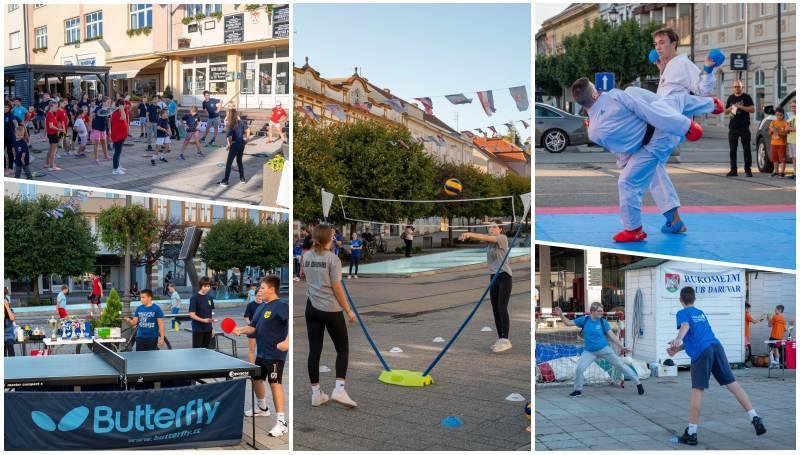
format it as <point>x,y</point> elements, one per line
<point>52,323</point>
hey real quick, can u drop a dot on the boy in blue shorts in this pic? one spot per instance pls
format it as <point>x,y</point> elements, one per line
<point>149,322</point>
<point>708,357</point>
<point>270,325</point>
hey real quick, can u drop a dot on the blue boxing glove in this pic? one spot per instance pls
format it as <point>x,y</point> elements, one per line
<point>653,56</point>
<point>715,56</point>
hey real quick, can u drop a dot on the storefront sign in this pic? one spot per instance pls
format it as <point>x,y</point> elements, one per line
<point>181,417</point>
<point>234,28</point>
<point>280,22</point>
<point>738,62</point>
<point>218,72</point>
<point>727,283</point>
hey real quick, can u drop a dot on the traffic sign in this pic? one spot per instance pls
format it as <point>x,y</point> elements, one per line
<point>604,81</point>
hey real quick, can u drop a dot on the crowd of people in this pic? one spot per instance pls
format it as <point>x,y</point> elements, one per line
<point>104,124</point>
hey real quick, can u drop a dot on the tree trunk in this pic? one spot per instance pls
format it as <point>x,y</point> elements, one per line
<point>36,288</point>
<point>148,275</point>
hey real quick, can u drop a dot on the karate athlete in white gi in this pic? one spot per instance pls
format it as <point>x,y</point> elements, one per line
<point>679,76</point>
<point>641,128</point>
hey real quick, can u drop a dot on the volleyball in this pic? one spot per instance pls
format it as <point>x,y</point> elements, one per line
<point>452,187</point>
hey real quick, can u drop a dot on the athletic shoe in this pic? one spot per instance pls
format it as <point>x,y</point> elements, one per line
<point>152,162</point>
<point>259,412</point>
<point>732,173</point>
<point>163,160</point>
<point>118,172</point>
<point>349,277</point>
<point>279,429</point>
<point>635,235</point>
<point>758,425</point>
<point>575,393</point>
<point>340,396</point>
<point>222,183</point>
<point>242,181</point>
<point>688,439</point>
<point>640,389</point>
<point>319,399</point>
<point>748,172</point>
<point>355,276</point>
<point>149,148</point>
<point>502,345</point>
<point>181,157</point>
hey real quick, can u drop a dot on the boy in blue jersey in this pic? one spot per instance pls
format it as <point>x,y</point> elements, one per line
<point>149,322</point>
<point>708,357</point>
<point>270,324</point>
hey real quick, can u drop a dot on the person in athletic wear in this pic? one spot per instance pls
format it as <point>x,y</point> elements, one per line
<point>708,357</point>
<point>270,326</point>
<point>200,313</point>
<point>190,121</point>
<point>96,295</point>
<point>238,134</point>
<point>210,105</point>
<point>149,322</point>
<point>325,305</point>
<point>500,293</point>
<point>597,332</point>
<point>253,303</point>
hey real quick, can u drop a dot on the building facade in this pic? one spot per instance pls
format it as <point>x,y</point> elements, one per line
<point>238,52</point>
<point>571,21</point>
<point>358,99</point>
<point>766,33</point>
<point>110,266</point>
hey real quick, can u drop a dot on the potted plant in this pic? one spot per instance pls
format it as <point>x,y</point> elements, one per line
<point>187,20</point>
<point>217,15</point>
<point>272,174</point>
<point>253,9</point>
<point>199,17</point>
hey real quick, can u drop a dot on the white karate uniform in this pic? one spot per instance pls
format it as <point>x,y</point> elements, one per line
<point>618,121</point>
<point>680,77</point>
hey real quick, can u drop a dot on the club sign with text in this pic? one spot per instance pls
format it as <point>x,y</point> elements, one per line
<point>728,283</point>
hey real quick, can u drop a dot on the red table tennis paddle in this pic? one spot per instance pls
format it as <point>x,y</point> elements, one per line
<point>62,313</point>
<point>228,325</point>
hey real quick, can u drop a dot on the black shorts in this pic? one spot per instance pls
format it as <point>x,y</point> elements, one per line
<point>201,339</point>
<point>711,361</point>
<point>147,344</point>
<point>271,370</point>
<point>774,345</point>
<point>52,138</point>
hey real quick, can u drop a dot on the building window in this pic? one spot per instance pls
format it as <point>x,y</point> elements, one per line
<point>13,40</point>
<point>760,91</point>
<point>217,214</point>
<point>707,15</point>
<point>191,212</point>
<point>12,8</point>
<point>175,212</point>
<point>723,13</point>
<point>141,16</point>
<point>94,25</point>
<point>161,209</point>
<point>253,215</point>
<point>205,213</point>
<point>740,11</point>
<point>72,30</point>
<point>187,81</point>
<point>41,37</point>
<point>282,78</point>
<point>38,5</point>
<point>782,83</point>
<point>193,9</point>
<point>762,9</point>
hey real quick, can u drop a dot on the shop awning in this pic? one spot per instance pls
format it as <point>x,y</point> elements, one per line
<point>129,69</point>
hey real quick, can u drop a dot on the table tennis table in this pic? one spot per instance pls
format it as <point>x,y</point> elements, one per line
<point>124,369</point>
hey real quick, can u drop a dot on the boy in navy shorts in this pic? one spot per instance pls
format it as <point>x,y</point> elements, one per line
<point>270,325</point>
<point>708,357</point>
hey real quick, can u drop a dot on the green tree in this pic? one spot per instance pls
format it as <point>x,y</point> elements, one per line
<point>37,243</point>
<point>111,314</point>
<point>547,72</point>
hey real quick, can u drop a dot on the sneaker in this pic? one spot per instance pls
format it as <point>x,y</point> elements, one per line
<point>575,393</point>
<point>494,345</point>
<point>279,429</point>
<point>297,278</point>
<point>355,276</point>
<point>688,439</point>
<point>758,425</point>
<point>748,172</point>
<point>152,162</point>
<point>222,183</point>
<point>259,412</point>
<point>319,399</point>
<point>163,160</point>
<point>640,389</point>
<point>242,181</point>
<point>349,277</point>
<point>118,172</point>
<point>732,173</point>
<point>149,148</point>
<point>122,169</point>
<point>501,346</point>
<point>181,157</point>
<point>341,397</point>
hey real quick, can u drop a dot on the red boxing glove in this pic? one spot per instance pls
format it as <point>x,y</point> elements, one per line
<point>695,132</point>
<point>718,106</point>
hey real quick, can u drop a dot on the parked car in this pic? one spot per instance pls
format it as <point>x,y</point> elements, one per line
<point>763,160</point>
<point>557,129</point>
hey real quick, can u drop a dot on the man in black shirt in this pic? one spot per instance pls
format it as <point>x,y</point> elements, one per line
<point>200,307</point>
<point>739,107</point>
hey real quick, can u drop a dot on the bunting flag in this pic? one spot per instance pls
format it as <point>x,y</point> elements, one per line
<point>520,95</point>
<point>430,138</point>
<point>493,130</point>
<point>337,111</point>
<point>440,140</point>
<point>468,133</point>
<point>458,98</point>
<point>309,112</point>
<point>509,125</point>
<point>366,105</point>
<point>525,124</point>
<point>487,102</point>
<point>396,105</point>
<point>402,143</point>
<point>479,130</point>
<point>427,104</point>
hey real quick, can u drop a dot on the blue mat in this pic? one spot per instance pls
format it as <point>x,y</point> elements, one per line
<point>760,239</point>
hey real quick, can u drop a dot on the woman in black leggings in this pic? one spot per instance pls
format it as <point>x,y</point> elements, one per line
<point>326,307</point>
<point>237,138</point>
<point>500,292</point>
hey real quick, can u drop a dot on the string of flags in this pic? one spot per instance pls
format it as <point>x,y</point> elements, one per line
<point>72,204</point>
<point>486,97</point>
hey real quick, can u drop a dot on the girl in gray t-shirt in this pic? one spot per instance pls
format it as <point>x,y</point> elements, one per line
<point>326,307</point>
<point>500,292</point>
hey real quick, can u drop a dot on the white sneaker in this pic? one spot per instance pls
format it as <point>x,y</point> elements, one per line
<point>501,346</point>
<point>319,399</point>
<point>279,429</point>
<point>340,396</point>
<point>259,412</point>
<point>355,276</point>
<point>349,277</point>
<point>118,172</point>
<point>494,345</point>
<point>122,169</point>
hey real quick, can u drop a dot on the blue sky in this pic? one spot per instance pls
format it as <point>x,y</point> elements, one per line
<point>421,50</point>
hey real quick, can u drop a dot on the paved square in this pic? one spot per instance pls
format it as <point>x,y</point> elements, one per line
<point>471,383</point>
<point>610,418</point>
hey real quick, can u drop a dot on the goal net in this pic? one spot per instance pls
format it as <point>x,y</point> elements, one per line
<point>559,347</point>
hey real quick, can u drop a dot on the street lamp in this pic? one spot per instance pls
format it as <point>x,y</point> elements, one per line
<point>613,14</point>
